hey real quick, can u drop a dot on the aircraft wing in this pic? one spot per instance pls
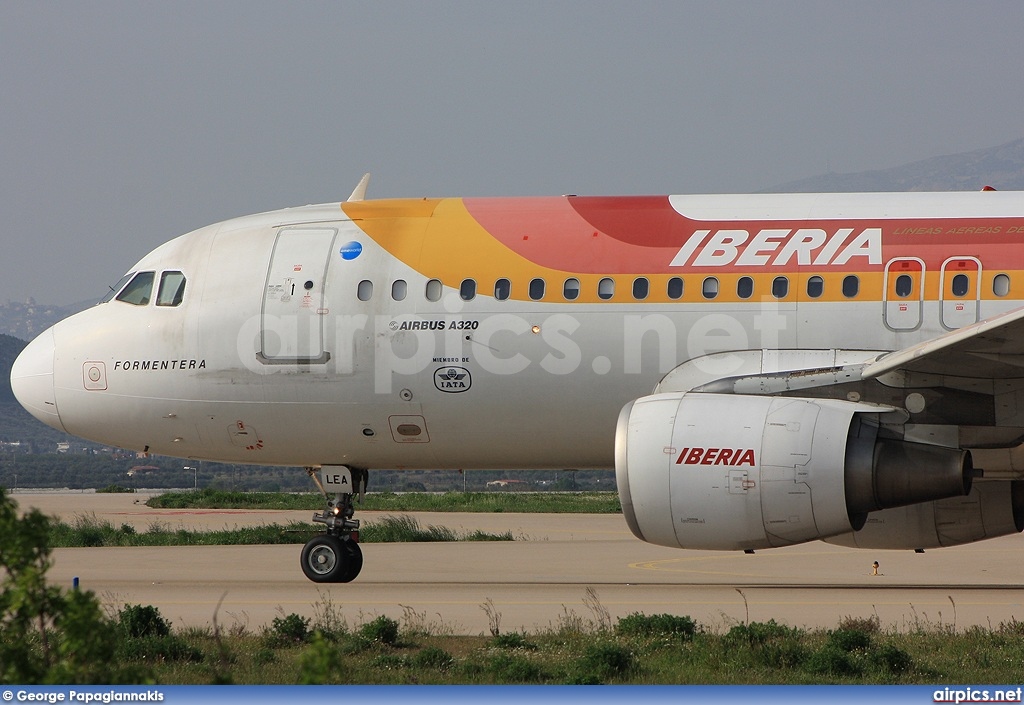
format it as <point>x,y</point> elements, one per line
<point>990,349</point>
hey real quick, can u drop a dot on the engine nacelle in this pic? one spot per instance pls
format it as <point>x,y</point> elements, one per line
<point>730,472</point>
<point>991,509</point>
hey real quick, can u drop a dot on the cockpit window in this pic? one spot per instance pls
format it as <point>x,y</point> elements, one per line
<point>172,289</point>
<point>117,287</point>
<point>139,289</point>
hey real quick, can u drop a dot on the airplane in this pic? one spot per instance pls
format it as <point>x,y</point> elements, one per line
<point>760,370</point>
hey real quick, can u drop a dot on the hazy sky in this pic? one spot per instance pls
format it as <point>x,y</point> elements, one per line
<point>125,124</point>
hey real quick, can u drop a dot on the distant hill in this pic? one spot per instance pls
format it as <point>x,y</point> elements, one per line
<point>28,319</point>
<point>16,424</point>
<point>1001,167</point>
<point>9,349</point>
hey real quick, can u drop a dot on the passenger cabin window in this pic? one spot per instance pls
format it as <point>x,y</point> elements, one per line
<point>815,287</point>
<point>780,287</point>
<point>571,289</point>
<point>675,288</point>
<point>1001,285</point>
<point>606,289</point>
<point>536,289</point>
<point>364,291</point>
<point>399,290</point>
<point>172,289</point>
<point>117,287</point>
<point>851,286</point>
<point>641,288</point>
<point>139,289</point>
<point>961,285</point>
<point>904,285</point>
<point>710,288</point>
<point>434,290</point>
<point>745,287</point>
<point>502,289</point>
<point>467,292</point>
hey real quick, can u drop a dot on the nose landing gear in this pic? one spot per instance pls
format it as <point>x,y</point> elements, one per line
<point>335,556</point>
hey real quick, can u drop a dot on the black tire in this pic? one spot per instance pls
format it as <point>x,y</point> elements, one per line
<point>326,560</point>
<point>354,562</point>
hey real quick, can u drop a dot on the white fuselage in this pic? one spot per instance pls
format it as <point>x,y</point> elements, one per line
<point>278,353</point>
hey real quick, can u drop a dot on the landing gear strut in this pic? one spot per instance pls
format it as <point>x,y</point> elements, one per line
<point>335,556</point>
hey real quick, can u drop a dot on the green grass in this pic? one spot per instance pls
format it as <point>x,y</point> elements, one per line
<point>528,502</point>
<point>86,531</point>
<point>650,650</point>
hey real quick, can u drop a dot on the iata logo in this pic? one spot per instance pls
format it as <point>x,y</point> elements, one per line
<point>716,456</point>
<point>452,379</point>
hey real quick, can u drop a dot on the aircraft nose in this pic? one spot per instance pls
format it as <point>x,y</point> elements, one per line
<point>32,379</point>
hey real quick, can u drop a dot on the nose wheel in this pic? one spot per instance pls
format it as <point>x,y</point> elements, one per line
<point>331,559</point>
<point>335,556</point>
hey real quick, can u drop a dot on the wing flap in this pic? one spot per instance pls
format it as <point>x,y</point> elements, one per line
<point>989,349</point>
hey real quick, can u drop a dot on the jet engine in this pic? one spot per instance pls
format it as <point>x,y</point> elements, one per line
<point>730,472</point>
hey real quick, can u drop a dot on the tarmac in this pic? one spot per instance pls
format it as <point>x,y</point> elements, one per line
<point>562,570</point>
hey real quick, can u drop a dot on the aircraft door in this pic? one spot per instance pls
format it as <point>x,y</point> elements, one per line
<point>960,292</point>
<point>904,293</point>
<point>291,325</point>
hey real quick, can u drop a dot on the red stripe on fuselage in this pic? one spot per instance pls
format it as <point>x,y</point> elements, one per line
<point>644,235</point>
<point>553,232</point>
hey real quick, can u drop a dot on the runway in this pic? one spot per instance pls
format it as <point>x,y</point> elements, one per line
<point>562,569</point>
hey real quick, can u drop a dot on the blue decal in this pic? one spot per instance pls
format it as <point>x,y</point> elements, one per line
<point>350,250</point>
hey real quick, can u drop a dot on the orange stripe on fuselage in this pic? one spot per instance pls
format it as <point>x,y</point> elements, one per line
<point>443,241</point>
